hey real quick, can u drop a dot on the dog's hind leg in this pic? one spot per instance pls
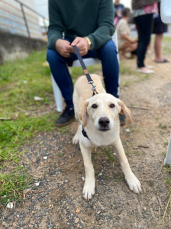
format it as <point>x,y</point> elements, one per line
<point>132,181</point>
<point>89,186</point>
<point>75,139</point>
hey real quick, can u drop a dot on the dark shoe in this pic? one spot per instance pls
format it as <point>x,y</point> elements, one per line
<point>122,119</point>
<point>162,61</point>
<point>66,117</point>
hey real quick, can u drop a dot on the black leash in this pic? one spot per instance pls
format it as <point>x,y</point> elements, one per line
<point>90,81</point>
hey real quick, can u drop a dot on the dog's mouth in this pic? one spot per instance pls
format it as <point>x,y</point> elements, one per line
<point>104,128</point>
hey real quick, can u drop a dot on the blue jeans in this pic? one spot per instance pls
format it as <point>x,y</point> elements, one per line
<point>108,56</point>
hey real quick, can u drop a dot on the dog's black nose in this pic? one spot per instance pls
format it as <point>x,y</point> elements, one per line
<point>104,121</point>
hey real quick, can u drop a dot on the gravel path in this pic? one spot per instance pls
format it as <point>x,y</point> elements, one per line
<point>55,201</point>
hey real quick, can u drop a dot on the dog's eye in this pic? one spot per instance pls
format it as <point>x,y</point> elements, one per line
<point>112,105</point>
<point>94,106</point>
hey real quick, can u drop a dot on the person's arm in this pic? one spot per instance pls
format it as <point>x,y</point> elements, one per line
<point>56,27</point>
<point>127,38</point>
<point>105,28</point>
<point>123,31</point>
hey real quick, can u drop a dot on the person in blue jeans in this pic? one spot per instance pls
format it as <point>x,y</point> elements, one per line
<point>92,23</point>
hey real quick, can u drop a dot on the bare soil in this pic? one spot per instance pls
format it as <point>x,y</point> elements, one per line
<point>57,201</point>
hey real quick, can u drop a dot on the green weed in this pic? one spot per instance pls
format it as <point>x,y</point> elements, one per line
<point>109,154</point>
<point>20,81</point>
<point>12,185</point>
<point>162,126</point>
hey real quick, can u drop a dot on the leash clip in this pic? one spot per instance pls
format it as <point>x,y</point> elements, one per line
<point>93,87</point>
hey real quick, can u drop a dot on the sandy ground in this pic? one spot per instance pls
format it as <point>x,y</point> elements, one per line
<point>57,200</point>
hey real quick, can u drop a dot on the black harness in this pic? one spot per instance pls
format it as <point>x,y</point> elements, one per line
<point>85,134</point>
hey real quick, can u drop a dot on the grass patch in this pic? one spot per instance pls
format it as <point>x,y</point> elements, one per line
<point>166,213</point>
<point>166,49</point>
<point>168,181</point>
<point>128,152</point>
<point>15,133</point>
<point>130,76</point>
<point>161,132</point>
<point>125,70</point>
<point>162,126</point>
<point>165,143</point>
<point>133,128</point>
<point>20,81</point>
<point>109,154</point>
<point>166,39</point>
<point>168,168</point>
<point>13,185</point>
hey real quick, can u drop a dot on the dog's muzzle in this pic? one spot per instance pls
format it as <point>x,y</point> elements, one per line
<point>104,124</point>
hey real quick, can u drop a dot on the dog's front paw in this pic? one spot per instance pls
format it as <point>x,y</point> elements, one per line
<point>133,183</point>
<point>89,189</point>
<point>75,139</point>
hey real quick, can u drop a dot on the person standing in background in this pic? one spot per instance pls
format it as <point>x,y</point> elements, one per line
<point>159,28</point>
<point>143,17</point>
<point>118,11</point>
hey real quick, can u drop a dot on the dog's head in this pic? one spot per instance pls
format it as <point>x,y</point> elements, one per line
<point>103,110</point>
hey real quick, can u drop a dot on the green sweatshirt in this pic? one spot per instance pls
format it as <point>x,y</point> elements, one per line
<point>83,18</point>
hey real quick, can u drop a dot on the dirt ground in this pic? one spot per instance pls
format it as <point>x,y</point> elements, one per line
<point>56,201</point>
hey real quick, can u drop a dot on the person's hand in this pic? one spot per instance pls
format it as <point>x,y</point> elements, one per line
<point>133,41</point>
<point>118,13</point>
<point>64,48</point>
<point>82,45</point>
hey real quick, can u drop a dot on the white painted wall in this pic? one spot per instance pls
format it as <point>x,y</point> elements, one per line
<point>126,3</point>
<point>11,18</point>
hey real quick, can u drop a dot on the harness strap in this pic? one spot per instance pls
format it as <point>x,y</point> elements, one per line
<point>90,81</point>
<point>85,134</point>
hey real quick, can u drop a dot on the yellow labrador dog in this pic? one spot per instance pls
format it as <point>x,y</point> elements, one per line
<point>99,125</point>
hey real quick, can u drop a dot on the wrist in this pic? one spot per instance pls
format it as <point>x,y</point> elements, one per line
<point>58,40</point>
<point>88,41</point>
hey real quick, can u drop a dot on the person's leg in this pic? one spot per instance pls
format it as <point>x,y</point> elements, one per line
<point>144,27</point>
<point>108,55</point>
<point>122,50</point>
<point>130,48</point>
<point>63,79</point>
<point>61,75</point>
<point>127,47</point>
<point>157,47</point>
<point>149,48</point>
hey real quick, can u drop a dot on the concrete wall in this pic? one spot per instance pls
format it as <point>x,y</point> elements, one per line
<point>15,46</point>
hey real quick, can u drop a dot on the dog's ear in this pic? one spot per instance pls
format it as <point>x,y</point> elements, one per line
<point>83,114</point>
<point>125,111</point>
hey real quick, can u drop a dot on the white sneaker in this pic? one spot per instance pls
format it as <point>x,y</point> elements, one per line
<point>145,71</point>
<point>149,67</point>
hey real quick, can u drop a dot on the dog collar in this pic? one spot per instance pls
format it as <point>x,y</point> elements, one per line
<point>85,134</point>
